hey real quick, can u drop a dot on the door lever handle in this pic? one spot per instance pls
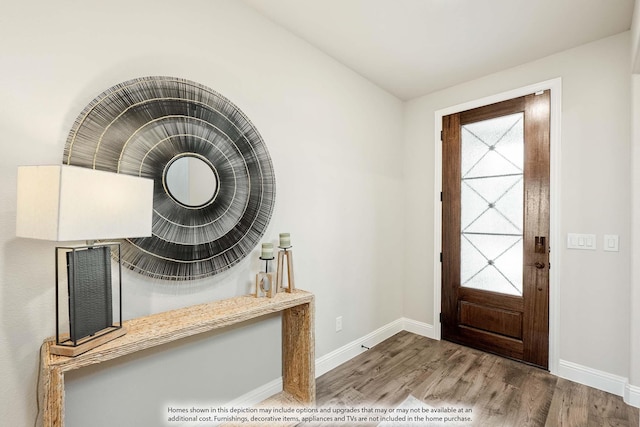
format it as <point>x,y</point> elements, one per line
<point>539,265</point>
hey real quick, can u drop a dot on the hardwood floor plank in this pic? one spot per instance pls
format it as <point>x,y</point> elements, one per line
<point>499,391</point>
<point>495,411</point>
<point>633,415</point>
<point>534,399</point>
<point>569,405</point>
<point>448,381</point>
<point>365,365</point>
<point>606,410</point>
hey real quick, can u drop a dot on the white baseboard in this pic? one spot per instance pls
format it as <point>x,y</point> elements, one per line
<point>347,352</point>
<point>257,395</point>
<point>418,328</point>
<point>604,381</point>
<point>632,395</point>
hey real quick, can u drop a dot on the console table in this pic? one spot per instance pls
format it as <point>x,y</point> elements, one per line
<point>298,358</point>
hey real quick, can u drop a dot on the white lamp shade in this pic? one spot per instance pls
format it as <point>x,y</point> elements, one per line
<point>69,203</point>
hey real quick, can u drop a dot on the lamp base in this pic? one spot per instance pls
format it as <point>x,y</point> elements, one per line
<point>87,343</point>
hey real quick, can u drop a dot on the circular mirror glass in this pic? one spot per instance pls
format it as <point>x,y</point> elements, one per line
<point>191,181</point>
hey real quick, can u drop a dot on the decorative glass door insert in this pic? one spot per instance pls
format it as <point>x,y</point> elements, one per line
<point>492,164</point>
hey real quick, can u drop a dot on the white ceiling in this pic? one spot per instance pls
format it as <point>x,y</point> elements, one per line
<point>415,47</point>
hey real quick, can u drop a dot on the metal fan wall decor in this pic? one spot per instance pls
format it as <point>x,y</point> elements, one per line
<point>161,127</point>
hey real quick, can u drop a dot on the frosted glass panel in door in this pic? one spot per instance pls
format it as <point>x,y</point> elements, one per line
<point>492,163</point>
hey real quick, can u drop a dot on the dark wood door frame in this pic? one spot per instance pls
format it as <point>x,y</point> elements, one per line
<point>555,85</point>
<point>510,325</point>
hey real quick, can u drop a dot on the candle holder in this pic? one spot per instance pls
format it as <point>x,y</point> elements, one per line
<point>287,253</point>
<point>266,281</point>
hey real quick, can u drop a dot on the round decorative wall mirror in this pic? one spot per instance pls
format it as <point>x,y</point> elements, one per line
<point>214,185</point>
<point>190,180</point>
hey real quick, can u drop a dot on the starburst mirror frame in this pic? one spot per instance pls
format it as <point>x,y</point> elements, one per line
<point>140,127</point>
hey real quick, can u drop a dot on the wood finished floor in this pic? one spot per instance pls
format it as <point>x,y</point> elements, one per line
<point>501,392</point>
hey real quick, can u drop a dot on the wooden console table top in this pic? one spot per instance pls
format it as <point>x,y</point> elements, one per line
<point>150,331</point>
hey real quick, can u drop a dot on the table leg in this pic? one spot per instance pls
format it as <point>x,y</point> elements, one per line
<point>298,355</point>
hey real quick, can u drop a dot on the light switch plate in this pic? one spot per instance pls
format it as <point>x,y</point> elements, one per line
<point>611,243</point>
<point>581,241</point>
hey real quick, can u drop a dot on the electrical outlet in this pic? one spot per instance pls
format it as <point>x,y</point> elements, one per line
<point>338,323</point>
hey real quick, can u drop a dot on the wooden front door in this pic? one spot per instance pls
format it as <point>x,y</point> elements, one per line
<point>495,233</point>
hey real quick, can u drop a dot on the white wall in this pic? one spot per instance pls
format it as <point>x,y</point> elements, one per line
<point>594,190</point>
<point>634,300</point>
<point>635,38</point>
<point>336,144</point>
